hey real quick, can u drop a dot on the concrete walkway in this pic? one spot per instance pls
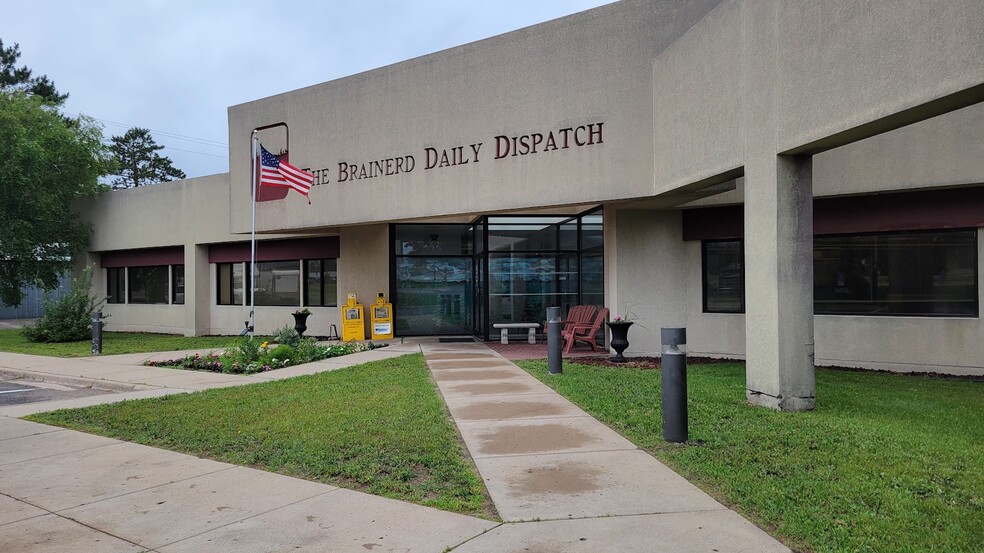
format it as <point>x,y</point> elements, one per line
<point>560,480</point>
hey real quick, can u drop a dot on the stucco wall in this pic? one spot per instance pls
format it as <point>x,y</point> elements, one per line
<point>651,274</point>
<point>191,213</point>
<point>697,110</point>
<point>844,64</point>
<point>162,319</point>
<point>947,150</point>
<point>179,213</point>
<point>363,265</point>
<point>173,213</point>
<point>591,67</point>
<point>843,71</point>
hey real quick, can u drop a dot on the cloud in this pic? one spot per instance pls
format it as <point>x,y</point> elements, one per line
<point>176,66</point>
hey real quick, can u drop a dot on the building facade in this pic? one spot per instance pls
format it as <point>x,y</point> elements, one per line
<point>798,183</point>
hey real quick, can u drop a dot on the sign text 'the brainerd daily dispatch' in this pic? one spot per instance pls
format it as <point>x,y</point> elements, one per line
<point>501,147</point>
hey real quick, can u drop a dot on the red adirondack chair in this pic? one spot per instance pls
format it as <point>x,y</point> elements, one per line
<point>576,315</point>
<point>585,331</point>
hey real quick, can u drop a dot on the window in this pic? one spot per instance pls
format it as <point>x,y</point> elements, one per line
<point>278,283</point>
<point>916,273</point>
<point>724,276</point>
<point>147,284</point>
<point>530,234</point>
<point>178,284</point>
<point>320,282</point>
<point>157,284</point>
<point>116,285</point>
<point>905,273</point>
<point>230,283</point>
<point>592,232</point>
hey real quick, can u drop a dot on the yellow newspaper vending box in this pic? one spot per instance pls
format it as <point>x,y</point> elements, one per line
<point>353,320</point>
<point>381,317</point>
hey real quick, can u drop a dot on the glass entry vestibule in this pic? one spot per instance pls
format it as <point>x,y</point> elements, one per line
<point>460,279</point>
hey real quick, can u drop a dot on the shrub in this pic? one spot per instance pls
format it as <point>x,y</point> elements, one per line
<point>287,336</point>
<point>247,349</point>
<point>280,356</point>
<point>307,350</point>
<point>68,318</point>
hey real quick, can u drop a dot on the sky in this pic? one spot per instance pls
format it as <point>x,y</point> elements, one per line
<point>174,66</point>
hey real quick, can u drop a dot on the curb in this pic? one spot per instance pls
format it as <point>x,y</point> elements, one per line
<point>93,383</point>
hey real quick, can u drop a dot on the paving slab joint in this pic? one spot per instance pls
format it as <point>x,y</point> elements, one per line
<point>450,548</point>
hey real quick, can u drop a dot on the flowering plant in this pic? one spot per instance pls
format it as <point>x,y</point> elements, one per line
<point>627,316</point>
<point>304,311</point>
<point>250,356</point>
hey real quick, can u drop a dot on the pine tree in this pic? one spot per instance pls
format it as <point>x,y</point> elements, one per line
<point>13,78</point>
<point>137,160</point>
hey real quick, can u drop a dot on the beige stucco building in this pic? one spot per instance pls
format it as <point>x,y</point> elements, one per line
<point>797,182</point>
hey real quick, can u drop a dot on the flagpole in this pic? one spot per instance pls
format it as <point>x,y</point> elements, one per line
<point>252,249</point>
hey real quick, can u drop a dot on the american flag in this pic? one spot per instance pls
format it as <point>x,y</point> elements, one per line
<point>281,174</point>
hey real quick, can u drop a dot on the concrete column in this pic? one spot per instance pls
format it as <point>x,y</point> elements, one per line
<point>778,234</point>
<point>198,301</point>
<point>779,285</point>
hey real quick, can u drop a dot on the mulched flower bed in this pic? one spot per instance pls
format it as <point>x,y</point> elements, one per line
<point>654,363</point>
<point>251,357</point>
<point>645,362</point>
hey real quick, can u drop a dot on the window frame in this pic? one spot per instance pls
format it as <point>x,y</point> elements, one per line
<point>249,281</point>
<point>703,275</point>
<point>111,297</point>
<point>976,277</point>
<point>131,272</point>
<point>975,249</point>
<point>174,285</point>
<point>333,302</point>
<point>247,288</point>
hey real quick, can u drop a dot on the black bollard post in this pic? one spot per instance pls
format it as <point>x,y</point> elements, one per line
<point>97,333</point>
<point>674,364</point>
<point>554,357</point>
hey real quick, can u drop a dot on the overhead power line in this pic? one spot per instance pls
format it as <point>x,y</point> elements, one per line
<point>203,141</point>
<point>194,152</point>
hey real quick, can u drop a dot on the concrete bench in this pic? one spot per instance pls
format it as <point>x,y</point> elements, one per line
<point>504,327</point>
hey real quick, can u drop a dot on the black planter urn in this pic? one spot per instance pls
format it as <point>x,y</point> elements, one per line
<point>300,322</point>
<point>620,339</point>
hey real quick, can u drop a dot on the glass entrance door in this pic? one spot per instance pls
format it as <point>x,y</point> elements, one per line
<point>452,279</point>
<point>434,296</point>
<point>434,280</point>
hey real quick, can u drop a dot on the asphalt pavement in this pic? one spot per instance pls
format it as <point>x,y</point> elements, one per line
<point>17,391</point>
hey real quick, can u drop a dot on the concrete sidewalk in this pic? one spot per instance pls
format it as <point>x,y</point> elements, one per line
<point>560,480</point>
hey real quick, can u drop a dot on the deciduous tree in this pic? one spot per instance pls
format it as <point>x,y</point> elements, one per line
<point>47,163</point>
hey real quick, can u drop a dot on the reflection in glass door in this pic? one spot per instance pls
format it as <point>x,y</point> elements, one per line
<point>434,295</point>
<point>522,286</point>
<point>433,284</point>
<point>478,298</point>
<point>453,279</point>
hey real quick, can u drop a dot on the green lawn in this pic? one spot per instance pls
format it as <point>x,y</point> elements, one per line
<point>885,463</point>
<point>379,427</point>
<point>113,343</point>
